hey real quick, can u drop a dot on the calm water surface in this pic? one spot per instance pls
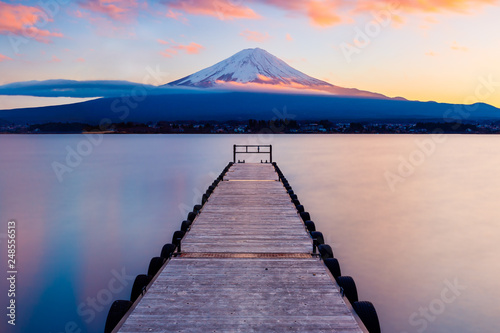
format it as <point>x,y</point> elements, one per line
<point>423,247</point>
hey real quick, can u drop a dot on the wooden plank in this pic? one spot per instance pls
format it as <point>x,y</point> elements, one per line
<point>246,266</point>
<point>242,295</point>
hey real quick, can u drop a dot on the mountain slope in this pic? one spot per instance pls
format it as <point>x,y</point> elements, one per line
<point>252,67</point>
<point>225,106</point>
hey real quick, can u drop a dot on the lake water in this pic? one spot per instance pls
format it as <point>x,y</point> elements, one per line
<point>414,219</point>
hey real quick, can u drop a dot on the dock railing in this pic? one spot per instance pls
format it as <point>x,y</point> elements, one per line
<point>254,149</point>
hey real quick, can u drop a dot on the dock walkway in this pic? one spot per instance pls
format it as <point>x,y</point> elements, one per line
<point>246,266</point>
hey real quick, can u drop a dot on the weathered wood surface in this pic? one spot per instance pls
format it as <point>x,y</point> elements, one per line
<point>250,216</point>
<point>246,267</point>
<point>251,171</point>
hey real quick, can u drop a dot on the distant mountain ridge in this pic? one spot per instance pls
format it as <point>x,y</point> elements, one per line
<point>242,106</point>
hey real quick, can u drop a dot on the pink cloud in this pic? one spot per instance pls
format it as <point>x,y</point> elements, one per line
<point>176,16</point>
<point>289,37</point>
<point>55,59</point>
<point>21,20</point>
<point>4,58</point>
<point>192,48</point>
<point>169,53</point>
<point>427,6</point>
<point>255,36</point>
<point>80,60</point>
<point>322,13</point>
<point>116,10</point>
<point>221,9</point>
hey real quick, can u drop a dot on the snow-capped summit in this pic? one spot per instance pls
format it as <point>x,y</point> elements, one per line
<point>257,67</point>
<point>249,66</point>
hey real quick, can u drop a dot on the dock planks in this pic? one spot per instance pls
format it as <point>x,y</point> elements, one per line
<point>246,267</point>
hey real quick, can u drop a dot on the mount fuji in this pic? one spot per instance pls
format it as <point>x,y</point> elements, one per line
<point>252,84</point>
<point>258,69</point>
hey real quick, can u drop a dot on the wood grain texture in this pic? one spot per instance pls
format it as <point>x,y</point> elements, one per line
<point>246,267</point>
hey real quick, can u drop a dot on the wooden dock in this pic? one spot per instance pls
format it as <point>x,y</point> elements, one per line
<point>246,266</point>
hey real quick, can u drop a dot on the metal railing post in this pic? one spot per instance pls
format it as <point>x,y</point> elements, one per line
<point>258,151</point>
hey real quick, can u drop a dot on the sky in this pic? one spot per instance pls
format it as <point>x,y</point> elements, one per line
<point>427,50</point>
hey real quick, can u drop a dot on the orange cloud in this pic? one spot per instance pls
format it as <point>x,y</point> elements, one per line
<point>162,41</point>
<point>292,87</point>
<point>21,20</point>
<point>118,10</point>
<point>264,78</point>
<point>255,36</point>
<point>428,6</point>
<point>323,14</point>
<point>4,58</point>
<point>221,9</point>
<point>192,48</point>
<point>326,13</point>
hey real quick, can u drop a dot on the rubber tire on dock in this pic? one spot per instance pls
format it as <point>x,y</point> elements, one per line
<point>140,283</point>
<point>325,251</point>
<point>177,236</point>
<point>368,315</point>
<point>167,250</point>
<point>155,264</point>
<point>310,225</point>
<point>191,216</point>
<point>305,216</point>
<point>197,208</point>
<point>204,198</point>
<point>300,208</point>
<point>116,312</point>
<point>333,266</point>
<point>185,225</point>
<point>350,291</point>
<point>296,202</point>
<point>318,236</point>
